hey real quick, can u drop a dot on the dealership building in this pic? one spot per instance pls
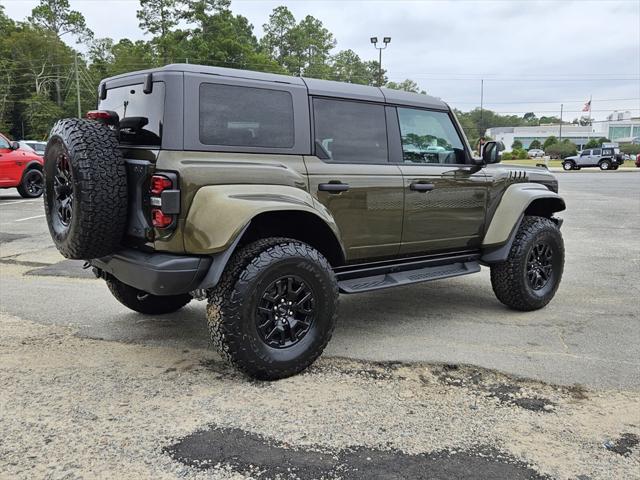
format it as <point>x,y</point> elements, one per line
<point>621,131</point>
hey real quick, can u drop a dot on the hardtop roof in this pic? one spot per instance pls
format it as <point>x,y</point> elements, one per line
<point>314,86</point>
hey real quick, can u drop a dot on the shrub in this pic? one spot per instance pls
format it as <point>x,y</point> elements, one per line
<point>507,156</point>
<point>516,145</point>
<point>561,150</point>
<point>549,141</point>
<point>630,149</point>
<point>535,145</point>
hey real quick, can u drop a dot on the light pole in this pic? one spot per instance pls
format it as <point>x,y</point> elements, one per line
<point>386,41</point>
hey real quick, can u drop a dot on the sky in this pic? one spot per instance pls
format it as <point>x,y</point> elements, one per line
<point>531,55</point>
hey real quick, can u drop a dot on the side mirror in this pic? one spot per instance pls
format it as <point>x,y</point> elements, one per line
<point>15,145</point>
<point>491,152</point>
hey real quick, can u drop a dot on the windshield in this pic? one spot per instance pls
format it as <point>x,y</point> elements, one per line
<point>141,114</point>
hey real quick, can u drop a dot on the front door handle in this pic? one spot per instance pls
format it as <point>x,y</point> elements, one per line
<point>332,187</point>
<point>421,187</point>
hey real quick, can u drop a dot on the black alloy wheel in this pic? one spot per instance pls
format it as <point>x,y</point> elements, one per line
<point>63,190</point>
<point>32,184</point>
<point>539,265</point>
<point>286,312</point>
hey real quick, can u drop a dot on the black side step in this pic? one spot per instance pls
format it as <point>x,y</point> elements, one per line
<point>406,277</point>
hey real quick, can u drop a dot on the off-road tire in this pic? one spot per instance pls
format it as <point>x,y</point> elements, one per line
<point>232,308</point>
<point>143,302</point>
<point>568,165</point>
<point>509,278</point>
<point>94,223</point>
<point>25,190</point>
<point>604,165</point>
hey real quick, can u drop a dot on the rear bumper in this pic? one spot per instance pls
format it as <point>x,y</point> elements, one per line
<point>155,273</point>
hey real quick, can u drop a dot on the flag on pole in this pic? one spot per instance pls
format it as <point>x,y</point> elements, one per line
<point>587,107</point>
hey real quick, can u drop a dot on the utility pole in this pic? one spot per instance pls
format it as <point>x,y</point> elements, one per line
<point>77,85</point>
<point>481,98</point>
<point>561,107</point>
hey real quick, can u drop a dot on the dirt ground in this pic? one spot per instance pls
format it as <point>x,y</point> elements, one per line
<point>75,407</point>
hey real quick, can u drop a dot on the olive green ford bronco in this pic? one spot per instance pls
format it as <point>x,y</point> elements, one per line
<point>269,195</point>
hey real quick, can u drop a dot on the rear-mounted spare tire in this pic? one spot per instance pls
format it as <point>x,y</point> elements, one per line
<point>85,189</point>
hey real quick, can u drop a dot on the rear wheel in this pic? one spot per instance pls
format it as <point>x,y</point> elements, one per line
<point>144,302</point>
<point>604,165</point>
<point>530,276</point>
<point>568,165</point>
<point>274,310</point>
<point>85,189</point>
<point>32,184</point>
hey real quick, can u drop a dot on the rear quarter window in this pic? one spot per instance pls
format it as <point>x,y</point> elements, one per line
<point>245,116</point>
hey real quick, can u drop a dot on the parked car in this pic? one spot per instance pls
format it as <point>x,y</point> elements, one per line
<point>37,146</point>
<point>606,158</point>
<point>20,168</point>
<point>535,153</point>
<point>268,195</point>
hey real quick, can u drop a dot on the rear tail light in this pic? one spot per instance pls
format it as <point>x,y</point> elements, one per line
<point>107,117</point>
<point>159,219</point>
<point>164,199</point>
<point>159,183</point>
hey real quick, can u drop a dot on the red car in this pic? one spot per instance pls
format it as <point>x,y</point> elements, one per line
<point>20,168</point>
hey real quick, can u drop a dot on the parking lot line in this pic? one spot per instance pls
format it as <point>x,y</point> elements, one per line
<point>29,218</point>
<point>20,201</point>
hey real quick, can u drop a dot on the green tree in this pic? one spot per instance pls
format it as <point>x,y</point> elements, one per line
<point>199,11</point>
<point>347,66</point>
<point>159,18</point>
<point>551,140</point>
<point>277,39</point>
<point>535,144</point>
<point>302,48</point>
<point>407,85</point>
<point>530,118</point>
<point>516,145</point>
<point>56,16</point>
<point>40,113</point>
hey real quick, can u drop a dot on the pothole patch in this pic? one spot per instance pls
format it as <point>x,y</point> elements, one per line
<point>623,445</point>
<point>65,268</point>
<point>248,453</point>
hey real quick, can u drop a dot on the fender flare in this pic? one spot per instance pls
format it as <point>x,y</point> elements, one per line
<point>515,202</point>
<point>210,230</point>
<point>218,232</point>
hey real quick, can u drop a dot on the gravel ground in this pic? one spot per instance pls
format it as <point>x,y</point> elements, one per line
<point>75,407</point>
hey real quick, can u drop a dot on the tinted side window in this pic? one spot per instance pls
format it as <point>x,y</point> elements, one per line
<point>350,132</point>
<point>4,143</point>
<point>595,151</point>
<point>245,116</point>
<point>429,137</point>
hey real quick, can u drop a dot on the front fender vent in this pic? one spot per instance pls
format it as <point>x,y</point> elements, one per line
<point>518,176</point>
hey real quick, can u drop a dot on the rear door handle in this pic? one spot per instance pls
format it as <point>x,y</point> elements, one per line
<point>333,187</point>
<point>421,187</point>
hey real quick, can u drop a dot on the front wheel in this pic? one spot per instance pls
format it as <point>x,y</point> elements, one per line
<point>274,310</point>
<point>604,165</point>
<point>530,276</point>
<point>567,165</point>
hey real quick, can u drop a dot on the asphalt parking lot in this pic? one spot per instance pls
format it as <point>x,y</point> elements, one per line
<point>435,380</point>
